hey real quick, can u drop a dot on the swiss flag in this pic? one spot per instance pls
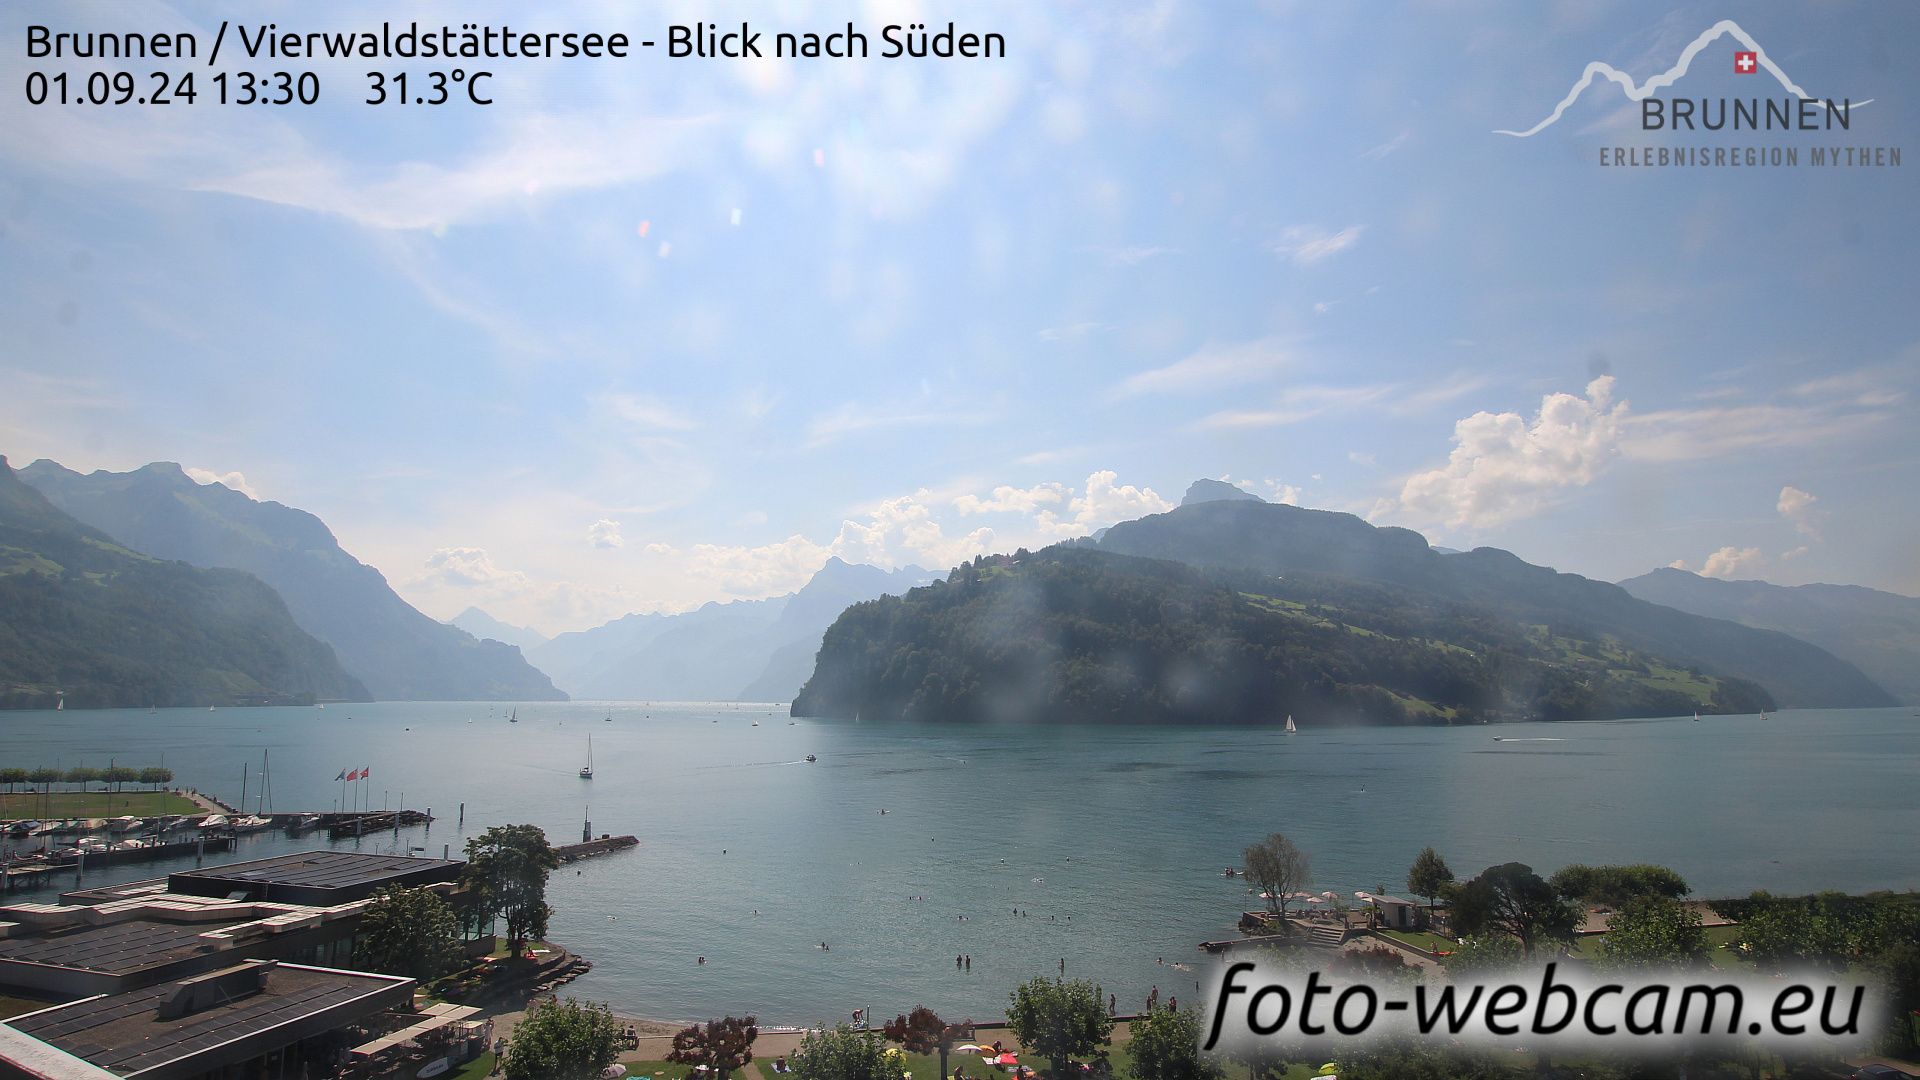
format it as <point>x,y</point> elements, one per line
<point>1746,63</point>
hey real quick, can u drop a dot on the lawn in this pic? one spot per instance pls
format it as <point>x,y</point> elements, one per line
<point>90,804</point>
<point>1420,939</point>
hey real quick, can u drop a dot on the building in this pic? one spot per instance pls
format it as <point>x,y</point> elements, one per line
<point>221,971</point>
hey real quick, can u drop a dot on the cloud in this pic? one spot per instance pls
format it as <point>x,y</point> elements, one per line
<point>1103,502</point>
<point>1388,147</point>
<point>1504,467</point>
<point>1730,562</point>
<point>235,480</point>
<point>1296,404</point>
<point>1211,367</point>
<point>605,533</point>
<point>1007,499</point>
<point>1069,332</point>
<point>855,418</point>
<point>1309,244</point>
<point>1797,506</point>
<point>642,411</point>
<point>1131,255</point>
<point>467,567</point>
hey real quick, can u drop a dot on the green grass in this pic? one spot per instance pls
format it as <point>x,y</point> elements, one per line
<point>475,1069</point>
<point>1420,939</point>
<point>88,804</point>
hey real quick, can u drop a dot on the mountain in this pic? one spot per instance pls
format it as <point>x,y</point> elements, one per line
<point>1076,634</point>
<point>111,628</point>
<point>1288,540</point>
<point>1204,490</point>
<point>747,650</point>
<point>487,628</point>
<point>399,653</point>
<point>1877,632</point>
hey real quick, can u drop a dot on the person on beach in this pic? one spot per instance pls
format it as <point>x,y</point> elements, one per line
<point>969,961</point>
<point>956,963</point>
<point>1113,1005</point>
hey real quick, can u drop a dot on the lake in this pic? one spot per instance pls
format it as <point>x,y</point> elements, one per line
<point>1112,840</point>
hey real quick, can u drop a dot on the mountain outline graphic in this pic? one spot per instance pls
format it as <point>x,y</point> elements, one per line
<point>1642,91</point>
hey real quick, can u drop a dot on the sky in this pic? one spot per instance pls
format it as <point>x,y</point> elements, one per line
<point>649,333</point>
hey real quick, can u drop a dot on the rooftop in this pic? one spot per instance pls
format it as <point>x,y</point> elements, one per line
<point>314,876</point>
<point>116,948</point>
<point>189,1027</point>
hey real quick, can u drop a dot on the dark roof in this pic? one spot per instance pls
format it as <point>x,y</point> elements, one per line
<point>124,1033</point>
<point>116,948</point>
<point>314,876</point>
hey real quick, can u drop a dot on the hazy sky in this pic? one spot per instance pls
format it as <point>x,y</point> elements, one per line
<point>647,333</point>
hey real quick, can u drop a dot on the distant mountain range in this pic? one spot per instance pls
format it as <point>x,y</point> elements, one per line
<point>1288,540</point>
<point>746,650</point>
<point>397,652</point>
<point>487,628</point>
<point>106,627</point>
<point>1231,609</point>
<point>1878,632</point>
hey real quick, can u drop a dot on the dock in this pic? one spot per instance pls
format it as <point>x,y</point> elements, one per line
<point>573,852</point>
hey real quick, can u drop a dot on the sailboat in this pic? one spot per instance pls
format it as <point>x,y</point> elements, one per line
<point>1291,730</point>
<point>586,771</point>
<point>60,705</point>
<point>515,718</point>
<point>1696,716</point>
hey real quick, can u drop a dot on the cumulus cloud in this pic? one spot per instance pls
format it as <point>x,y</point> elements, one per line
<point>1309,244</point>
<point>1798,507</point>
<point>1732,562</point>
<point>235,480</point>
<point>468,567</point>
<point>605,533</point>
<point>1103,502</point>
<point>1007,499</point>
<point>1504,466</point>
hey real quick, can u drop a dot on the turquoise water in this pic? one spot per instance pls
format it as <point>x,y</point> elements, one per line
<point>1112,840</point>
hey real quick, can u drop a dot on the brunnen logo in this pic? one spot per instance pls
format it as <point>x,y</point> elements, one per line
<point>1795,110</point>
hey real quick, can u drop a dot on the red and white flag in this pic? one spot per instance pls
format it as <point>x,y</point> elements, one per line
<point>1746,63</point>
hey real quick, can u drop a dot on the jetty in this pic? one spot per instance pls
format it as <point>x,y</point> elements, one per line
<point>587,849</point>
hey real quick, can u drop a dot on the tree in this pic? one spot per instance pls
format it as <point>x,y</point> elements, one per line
<point>1166,1046</point>
<point>1617,886</point>
<point>1428,876</point>
<point>118,775</point>
<point>567,1041</point>
<point>846,1053</point>
<point>153,776</point>
<point>1058,1018</point>
<point>1512,899</point>
<point>1654,931</point>
<point>1278,868</point>
<point>82,775</point>
<point>411,932</point>
<point>1476,955</point>
<point>507,869</point>
<point>12,776</point>
<point>923,1032</point>
<point>723,1046</point>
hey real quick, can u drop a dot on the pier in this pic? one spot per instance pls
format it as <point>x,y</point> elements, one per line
<point>587,849</point>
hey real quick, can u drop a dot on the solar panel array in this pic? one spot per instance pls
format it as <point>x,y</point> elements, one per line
<point>114,948</point>
<point>124,1034</point>
<point>320,869</point>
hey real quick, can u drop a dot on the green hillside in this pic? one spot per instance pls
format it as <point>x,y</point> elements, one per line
<point>108,627</point>
<point>1072,634</point>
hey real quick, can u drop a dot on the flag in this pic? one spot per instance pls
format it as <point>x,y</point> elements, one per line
<point>354,775</point>
<point>342,776</point>
<point>366,771</point>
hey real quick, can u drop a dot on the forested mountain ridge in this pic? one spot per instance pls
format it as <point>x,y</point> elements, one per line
<point>1877,632</point>
<point>1287,540</point>
<point>102,626</point>
<point>398,652</point>
<point>1073,634</point>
